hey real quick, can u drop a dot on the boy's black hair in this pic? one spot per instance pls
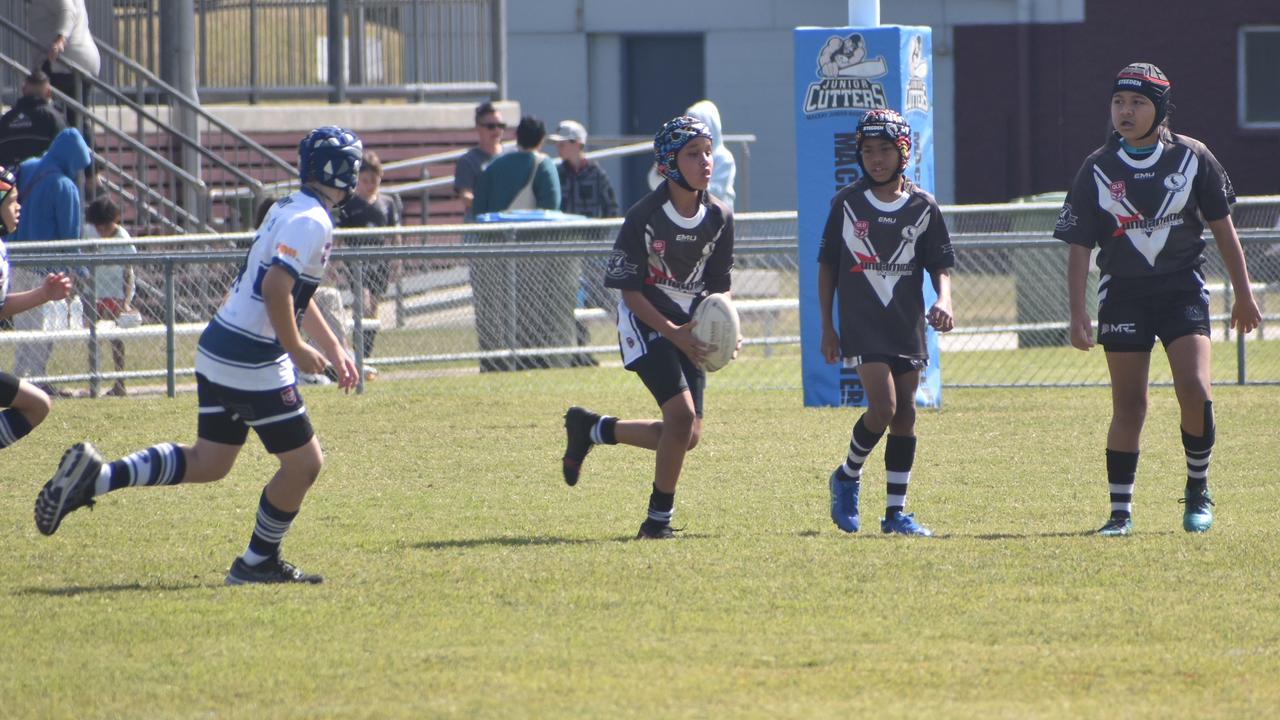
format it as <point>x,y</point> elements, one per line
<point>102,211</point>
<point>530,132</point>
<point>484,108</point>
<point>263,208</point>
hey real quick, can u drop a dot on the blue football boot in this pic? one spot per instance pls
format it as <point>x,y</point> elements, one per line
<point>844,502</point>
<point>1197,515</point>
<point>900,523</point>
<point>1116,527</point>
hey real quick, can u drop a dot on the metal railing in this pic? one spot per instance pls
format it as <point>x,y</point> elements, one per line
<point>480,298</point>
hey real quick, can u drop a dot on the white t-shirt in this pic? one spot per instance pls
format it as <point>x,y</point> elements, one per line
<point>108,280</point>
<point>239,348</point>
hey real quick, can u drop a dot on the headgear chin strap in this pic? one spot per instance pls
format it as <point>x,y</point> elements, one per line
<point>1149,81</point>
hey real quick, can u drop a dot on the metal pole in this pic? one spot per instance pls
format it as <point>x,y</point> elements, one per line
<point>864,13</point>
<point>253,52</point>
<point>357,342</point>
<point>170,336</point>
<point>337,69</point>
<point>1240,356</point>
<point>498,20</point>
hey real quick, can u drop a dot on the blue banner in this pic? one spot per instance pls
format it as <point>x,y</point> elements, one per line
<point>840,74</point>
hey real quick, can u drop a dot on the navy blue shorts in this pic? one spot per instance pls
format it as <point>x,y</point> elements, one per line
<point>898,365</point>
<point>278,416</point>
<point>667,372</point>
<point>8,388</point>
<point>1133,312</point>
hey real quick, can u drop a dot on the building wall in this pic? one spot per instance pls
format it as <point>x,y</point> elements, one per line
<point>1031,113</point>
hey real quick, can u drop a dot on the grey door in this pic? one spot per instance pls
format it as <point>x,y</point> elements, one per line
<point>662,75</point>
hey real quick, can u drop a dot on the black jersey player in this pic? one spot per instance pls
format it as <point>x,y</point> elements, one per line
<point>1143,200</point>
<point>882,234</point>
<point>675,247</point>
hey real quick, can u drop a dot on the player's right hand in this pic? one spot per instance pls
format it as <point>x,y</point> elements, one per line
<point>1082,332</point>
<point>56,286</point>
<point>830,345</point>
<point>696,350</point>
<point>308,360</point>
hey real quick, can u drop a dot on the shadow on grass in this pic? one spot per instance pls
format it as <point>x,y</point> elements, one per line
<point>535,541</point>
<point>1073,534</point>
<point>74,590</point>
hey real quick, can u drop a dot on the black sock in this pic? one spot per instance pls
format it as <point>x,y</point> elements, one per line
<point>1198,451</point>
<point>1122,467</point>
<point>899,456</point>
<point>661,507</point>
<point>861,443</point>
<point>606,426</point>
<point>13,427</point>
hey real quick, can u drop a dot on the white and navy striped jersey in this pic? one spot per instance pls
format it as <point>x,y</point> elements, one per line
<point>880,252</point>
<point>239,348</point>
<point>1146,215</point>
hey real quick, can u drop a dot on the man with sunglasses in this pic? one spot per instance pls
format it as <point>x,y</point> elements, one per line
<point>489,130</point>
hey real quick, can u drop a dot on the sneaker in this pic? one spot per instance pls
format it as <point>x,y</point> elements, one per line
<point>70,488</point>
<point>654,531</point>
<point>1116,527</point>
<point>577,425</point>
<point>1197,516</point>
<point>272,570</point>
<point>900,523</point>
<point>844,501</point>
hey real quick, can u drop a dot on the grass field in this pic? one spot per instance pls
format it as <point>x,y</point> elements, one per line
<point>465,580</point>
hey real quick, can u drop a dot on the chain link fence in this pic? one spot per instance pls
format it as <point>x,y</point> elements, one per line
<point>424,301</point>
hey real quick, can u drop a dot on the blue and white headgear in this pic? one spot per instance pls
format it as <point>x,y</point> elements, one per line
<point>8,184</point>
<point>330,155</point>
<point>667,143</point>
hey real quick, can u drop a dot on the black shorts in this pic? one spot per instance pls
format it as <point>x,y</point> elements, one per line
<point>667,372</point>
<point>1133,312</point>
<point>278,416</point>
<point>8,388</point>
<point>898,365</point>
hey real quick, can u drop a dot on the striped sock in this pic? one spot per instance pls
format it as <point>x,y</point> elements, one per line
<point>602,432</point>
<point>899,456</point>
<point>860,446</point>
<point>268,531</point>
<point>164,464</point>
<point>1122,467</point>
<point>661,507</point>
<point>13,427</point>
<point>1199,450</point>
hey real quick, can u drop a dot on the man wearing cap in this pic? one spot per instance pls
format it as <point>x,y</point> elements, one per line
<point>584,186</point>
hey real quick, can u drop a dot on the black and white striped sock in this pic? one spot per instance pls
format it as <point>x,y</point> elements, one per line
<point>861,444</point>
<point>268,531</point>
<point>662,507</point>
<point>1122,467</point>
<point>899,456</point>
<point>13,427</point>
<point>163,464</point>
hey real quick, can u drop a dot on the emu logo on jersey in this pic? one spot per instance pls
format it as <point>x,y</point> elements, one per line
<point>1117,190</point>
<point>917,97</point>
<point>846,75</point>
<point>619,267</point>
<point>1175,181</point>
<point>1066,218</point>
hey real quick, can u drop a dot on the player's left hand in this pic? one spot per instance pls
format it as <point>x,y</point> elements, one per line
<point>940,317</point>
<point>1245,315</point>
<point>345,368</point>
<point>737,348</point>
<point>56,286</point>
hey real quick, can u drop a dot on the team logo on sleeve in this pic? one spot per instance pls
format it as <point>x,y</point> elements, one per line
<point>1066,218</point>
<point>1117,190</point>
<point>619,267</point>
<point>1175,181</point>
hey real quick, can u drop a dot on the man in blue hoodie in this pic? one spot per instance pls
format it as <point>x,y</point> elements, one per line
<point>50,211</point>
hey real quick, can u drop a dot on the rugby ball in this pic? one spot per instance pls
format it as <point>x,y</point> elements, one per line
<point>715,322</point>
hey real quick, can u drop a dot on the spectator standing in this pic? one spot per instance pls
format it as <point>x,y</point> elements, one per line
<point>522,180</point>
<point>369,208</point>
<point>113,285</point>
<point>64,26</point>
<point>31,124</point>
<point>489,129</point>
<point>51,211</point>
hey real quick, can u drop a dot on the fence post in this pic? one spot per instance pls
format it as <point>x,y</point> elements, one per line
<point>337,68</point>
<point>253,52</point>
<point>1240,356</point>
<point>357,342</point>
<point>498,38</point>
<point>170,339</point>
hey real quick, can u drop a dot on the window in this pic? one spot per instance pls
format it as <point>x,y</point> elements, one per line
<point>1259,53</point>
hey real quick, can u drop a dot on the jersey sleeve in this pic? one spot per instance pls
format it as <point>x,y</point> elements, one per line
<point>628,265</point>
<point>939,255</point>
<point>720,264</point>
<point>832,235</point>
<point>1213,188</point>
<point>1078,219</point>
<point>302,248</point>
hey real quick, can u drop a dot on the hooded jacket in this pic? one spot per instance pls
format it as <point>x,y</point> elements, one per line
<point>27,129</point>
<point>50,197</point>
<point>725,170</point>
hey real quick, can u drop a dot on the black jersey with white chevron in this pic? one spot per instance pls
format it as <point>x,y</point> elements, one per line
<point>880,252</point>
<point>1146,215</point>
<point>673,260</point>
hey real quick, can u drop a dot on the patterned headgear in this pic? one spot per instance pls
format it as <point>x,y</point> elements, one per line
<point>8,184</point>
<point>667,143</point>
<point>891,126</point>
<point>1147,80</point>
<point>330,155</point>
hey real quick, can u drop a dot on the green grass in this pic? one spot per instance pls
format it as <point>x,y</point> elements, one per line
<point>465,580</point>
